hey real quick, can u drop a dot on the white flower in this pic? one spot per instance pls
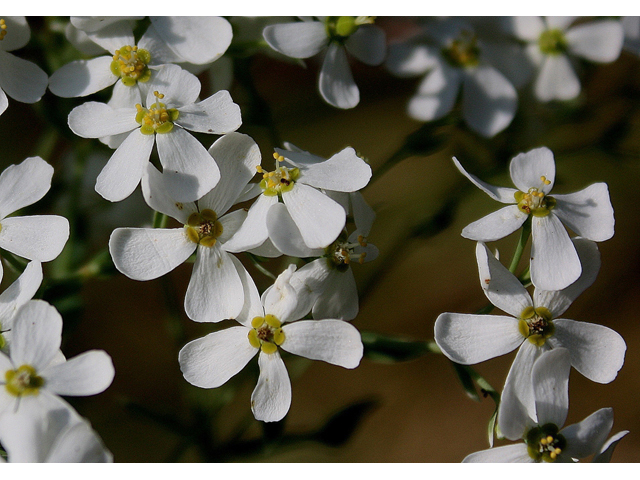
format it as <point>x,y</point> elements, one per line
<point>169,111</point>
<point>456,61</point>
<point>58,435</point>
<point>534,325</point>
<point>318,218</point>
<point>544,440</point>
<point>35,372</point>
<point>631,27</point>
<point>551,41</point>
<point>165,41</point>
<point>14,297</point>
<point>216,289</point>
<point>37,237</point>
<point>211,361</point>
<point>21,79</point>
<point>337,35</point>
<point>588,213</point>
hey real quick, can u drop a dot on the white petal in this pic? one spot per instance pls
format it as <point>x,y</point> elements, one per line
<point>599,41</point>
<point>79,444</point>
<point>556,80</point>
<point>604,456</point>
<point>4,101</point>
<point>336,82</point>
<point>254,230</point>
<point>319,218</point>
<point>156,46</point>
<point>368,44</point>
<point>215,291</point>
<point>500,194</point>
<point>363,214</point>
<point>216,114</point>
<point>586,437</point>
<point>122,173</point>
<point>157,197</point>
<point>38,237</point>
<point>470,339</point>
<point>588,212</point>
<point>82,77</point>
<point>189,169</point>
<point>550,378</point>
<point>116,34</point>
<point>24,184</point>
<point>310,281</point>
<point>211,361</point>
<point>343,172</point>
<point>285,234</point>
<point>208,37</point>
<point>597,352</point>
<point>148,253</point>
<point>237,156</point>
<point>496,225</point>
<point>557,301</point>
<point>281,299</point>
<point>489,101</point>
<point>36,335</point>
<point>19,293</point>
<point>20,33</point>
<point>561,23</point>
<point>178,86</point>
<point>332,341</point>
<point>554,261</point>
<point>339,298</point>
<point>526,170</point>
<point>506,454</point>
<point>525,28</point>
<point>22,80</point>
<point>95,119</point>
<point>297,40</point>
<point>501,287</point>
<point>436,95</point>
<point>410,60</point>
<point>271,399</point>
<point>124,96</point>
<point>252,306</point>
<point>89,373</point>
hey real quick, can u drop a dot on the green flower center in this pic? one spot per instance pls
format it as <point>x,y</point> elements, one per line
<point>552,42</point>
<point>130,64</point>
<point>463,51</point>
<point>3,29</point>
<point>535,325</point>
<point>535,202</point>
<point>545,443</point>
<point>282,179</point>
<point>340,28</point>
<point>266,333</point>
<point>157,118</point>
<point>340,253</point>
<point>23,381</point>
<point>204,228</point>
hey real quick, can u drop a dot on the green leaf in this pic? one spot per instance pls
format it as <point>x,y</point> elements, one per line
<point>467,381</point>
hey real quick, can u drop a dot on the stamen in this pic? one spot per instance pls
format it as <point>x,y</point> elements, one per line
<point>3,28</point>
<point>130,64</point>
<point>203,228</point>
<point>545,181</point>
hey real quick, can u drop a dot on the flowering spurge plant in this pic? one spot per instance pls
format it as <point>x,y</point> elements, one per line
<point>534,326</point>
<point>14,297</point>
<point>217,287</point>
<point>544,438</point>
<point>588,213</point>
<point>451,58</point>
<point>133,63</point>
<point>169,111</point>
<point>298,186</point>
<point>22,185</point>
<point>36,372</point>
<point>552,41</point>
<point>21,79</point>
<point>268,324</point>
<point>336,35</point>
<point>58,435</point>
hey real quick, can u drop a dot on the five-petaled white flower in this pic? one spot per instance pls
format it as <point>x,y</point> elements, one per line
<point>36,237</point>
<point>588,213</point>
<point>318,218</point>
<point>544,440</point>
<point>217,285</point>
<point>550,41</point>
<point>211,361</point>
<point>338,35</point>
<point>58,435</point>
<point>36,372</point>
<point>169,111</point>
<point>21,79</point>
<point>595,351</point>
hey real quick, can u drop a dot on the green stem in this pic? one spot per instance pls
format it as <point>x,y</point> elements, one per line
<point>160,220</point>
<point>16,263</point>
<point>522,242</point>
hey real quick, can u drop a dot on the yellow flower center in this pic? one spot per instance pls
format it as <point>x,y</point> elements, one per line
<point>545,443</point>
<point>204,228</point>
<point>266,333</point>
<point>340,253</point>
<point>340,28</point>
<point>463,51</point>
<point>130,64</point>
<point>3,29</point>
<point>282,179</point>
<point>23,381</point>
<point>535,325</point>
<point>552,42</point>
<point>157,118</point>
<point>535,202</point>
